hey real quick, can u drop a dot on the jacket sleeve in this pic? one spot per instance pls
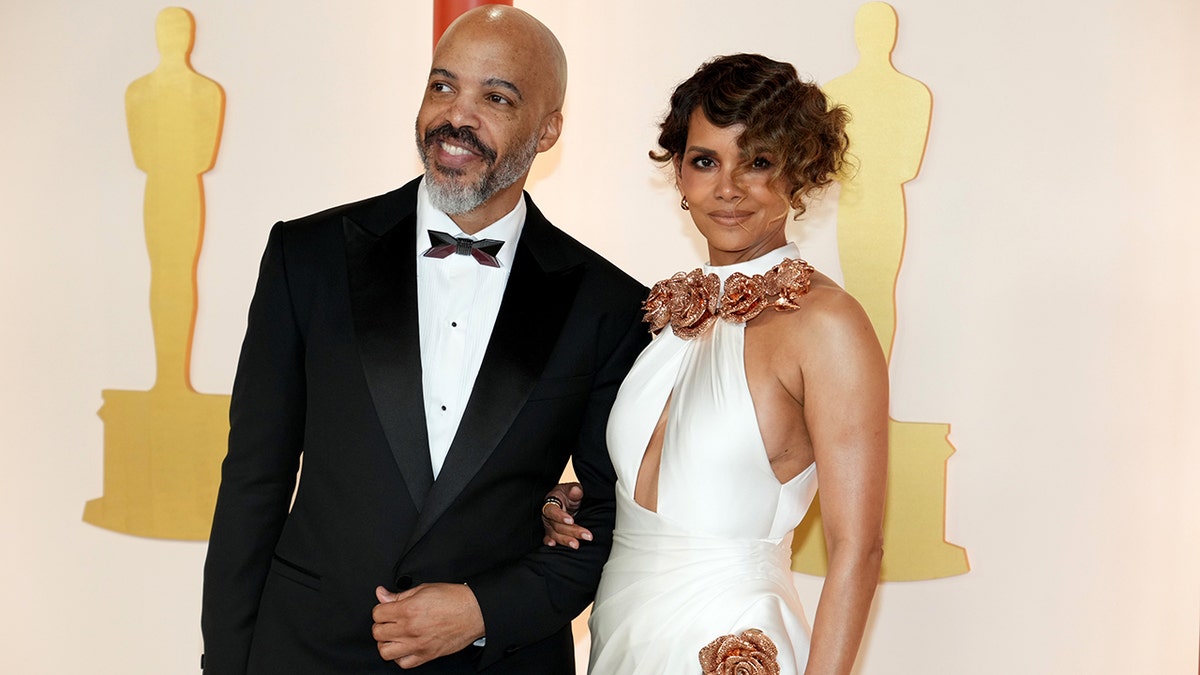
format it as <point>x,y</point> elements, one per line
<point>548,588</point>
<point>258,475</point>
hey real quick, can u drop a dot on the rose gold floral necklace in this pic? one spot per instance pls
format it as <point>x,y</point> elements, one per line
<point>691,302</point>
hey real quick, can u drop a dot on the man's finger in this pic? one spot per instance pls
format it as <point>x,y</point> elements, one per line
<point>395,651</point>
<point>384,595</point>
<point>411,661</point>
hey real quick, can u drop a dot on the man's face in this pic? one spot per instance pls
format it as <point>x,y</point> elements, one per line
<point>481,120</point>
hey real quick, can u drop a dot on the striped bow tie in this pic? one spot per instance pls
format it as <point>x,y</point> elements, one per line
<point>482,250</point>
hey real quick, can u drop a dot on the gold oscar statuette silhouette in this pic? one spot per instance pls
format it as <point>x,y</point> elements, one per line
<point>163,447</point>
<point>890,114</point>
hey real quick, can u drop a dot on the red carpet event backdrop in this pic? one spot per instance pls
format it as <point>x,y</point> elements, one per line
<point>1018,229</point>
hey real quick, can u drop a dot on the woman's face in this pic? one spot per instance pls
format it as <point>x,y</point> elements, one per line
<point>733,200</point>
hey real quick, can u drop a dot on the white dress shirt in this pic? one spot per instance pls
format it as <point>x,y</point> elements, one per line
<point>457,303</point>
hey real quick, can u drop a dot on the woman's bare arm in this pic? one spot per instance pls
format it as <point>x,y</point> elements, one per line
<point>846,411</point>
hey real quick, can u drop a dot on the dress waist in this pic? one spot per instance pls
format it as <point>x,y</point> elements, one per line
<point>646,543</point>
<point>666,592</point>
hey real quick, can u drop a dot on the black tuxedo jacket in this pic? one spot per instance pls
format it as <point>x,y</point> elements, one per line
<point>330,371</point>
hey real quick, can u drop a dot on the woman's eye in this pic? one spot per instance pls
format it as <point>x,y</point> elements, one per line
<point>703,162</point>
<point>760,163</point>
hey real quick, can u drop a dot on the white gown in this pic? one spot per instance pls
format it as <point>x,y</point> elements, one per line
<point>715,558</point>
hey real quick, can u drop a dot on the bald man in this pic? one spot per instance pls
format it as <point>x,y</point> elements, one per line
<point>435,354</point>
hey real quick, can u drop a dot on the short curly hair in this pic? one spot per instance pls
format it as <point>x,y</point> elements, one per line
<point>783,116</point>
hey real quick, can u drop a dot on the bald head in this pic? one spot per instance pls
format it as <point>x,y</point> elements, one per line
<point>492,103</point>
<point>528,41</point>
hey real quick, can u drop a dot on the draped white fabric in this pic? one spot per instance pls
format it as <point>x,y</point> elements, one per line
<point>714,559</point>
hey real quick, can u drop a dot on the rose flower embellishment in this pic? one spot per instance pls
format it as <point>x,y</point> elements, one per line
<point>690,302</point>
<point>744,298</point>
<point>788,281</point>
<point>751,653</point>
<point>687,301</point>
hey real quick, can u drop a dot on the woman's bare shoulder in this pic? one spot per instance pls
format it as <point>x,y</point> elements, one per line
<point>826,311</point>
<point>828,341</point>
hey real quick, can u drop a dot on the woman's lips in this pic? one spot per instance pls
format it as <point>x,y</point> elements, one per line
<point>730,217</point>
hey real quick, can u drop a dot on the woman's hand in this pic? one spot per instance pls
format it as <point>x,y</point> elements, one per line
<point>561,504</point>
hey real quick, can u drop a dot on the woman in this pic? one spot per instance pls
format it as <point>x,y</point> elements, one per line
<point>764,374</point>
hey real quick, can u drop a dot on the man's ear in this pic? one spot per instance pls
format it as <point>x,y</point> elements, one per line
<point>551,130</point>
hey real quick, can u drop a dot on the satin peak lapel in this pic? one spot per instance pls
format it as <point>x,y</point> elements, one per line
<point>383,299</point>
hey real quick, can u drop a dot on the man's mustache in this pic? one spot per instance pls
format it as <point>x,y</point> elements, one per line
<point>464,136</point>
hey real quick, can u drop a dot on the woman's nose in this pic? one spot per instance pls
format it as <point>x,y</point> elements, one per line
<point>728,188</point>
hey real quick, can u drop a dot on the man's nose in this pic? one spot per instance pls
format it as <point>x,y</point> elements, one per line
<point>462,113</point>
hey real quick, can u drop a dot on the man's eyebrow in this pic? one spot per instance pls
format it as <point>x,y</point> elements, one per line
<point>504,84</point>
<point>489,82</point>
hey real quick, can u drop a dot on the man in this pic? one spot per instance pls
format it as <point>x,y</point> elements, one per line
<point>436,381</point>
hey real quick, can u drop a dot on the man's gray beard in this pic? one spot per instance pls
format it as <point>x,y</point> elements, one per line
<point>451,196</point>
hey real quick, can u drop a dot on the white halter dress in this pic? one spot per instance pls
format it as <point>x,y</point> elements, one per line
<point>715,558</point>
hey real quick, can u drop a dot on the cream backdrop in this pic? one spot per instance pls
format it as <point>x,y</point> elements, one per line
<point>1047,303</point>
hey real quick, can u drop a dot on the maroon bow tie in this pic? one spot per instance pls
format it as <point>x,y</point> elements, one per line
<point>482,250</point>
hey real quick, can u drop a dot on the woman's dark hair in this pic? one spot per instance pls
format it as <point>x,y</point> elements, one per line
<point>785,117</point>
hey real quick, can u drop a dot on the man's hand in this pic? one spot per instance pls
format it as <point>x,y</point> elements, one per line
<point>425,622</point>
<point>560,526</point>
